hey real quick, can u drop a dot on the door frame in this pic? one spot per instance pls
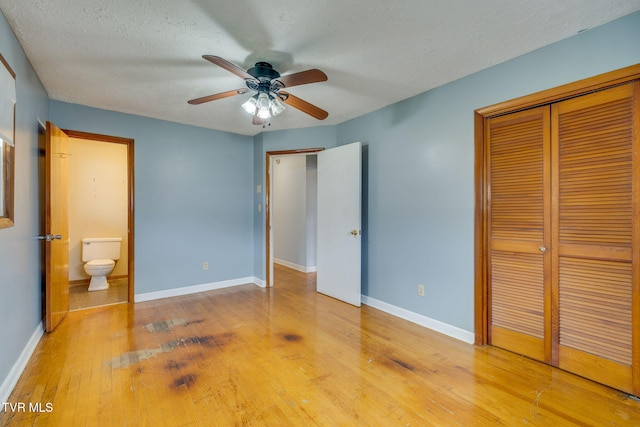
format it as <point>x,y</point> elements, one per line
<point>482,295</point>
<point>129,142</point>
<point>267,203</point>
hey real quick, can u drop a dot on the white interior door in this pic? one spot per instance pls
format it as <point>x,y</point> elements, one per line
<point>339,222</point>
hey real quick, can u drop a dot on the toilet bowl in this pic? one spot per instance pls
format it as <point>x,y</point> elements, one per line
<point>99,269</point>
<point>100,256</point>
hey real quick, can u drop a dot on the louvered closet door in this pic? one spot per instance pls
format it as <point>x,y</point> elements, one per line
<point>596,230</point>
<point>519,204</point>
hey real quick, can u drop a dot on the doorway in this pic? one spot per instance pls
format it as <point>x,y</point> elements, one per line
<point>339,206</point>
<point>304,248</point>
<point>110,196</point>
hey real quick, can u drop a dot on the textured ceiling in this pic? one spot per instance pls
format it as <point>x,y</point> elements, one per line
<point>144,57</point>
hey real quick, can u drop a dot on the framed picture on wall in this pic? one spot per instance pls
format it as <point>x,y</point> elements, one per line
<point>7,141</point>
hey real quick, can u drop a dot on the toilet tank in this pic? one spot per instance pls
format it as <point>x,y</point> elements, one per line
<point>101,248</point>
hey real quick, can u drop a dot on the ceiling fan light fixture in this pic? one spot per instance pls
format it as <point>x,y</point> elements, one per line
<point>277,107</point>
<point>264,105</point>
<point>251,105</point>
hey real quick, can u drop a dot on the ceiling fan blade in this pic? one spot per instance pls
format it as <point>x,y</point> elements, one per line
<point>303,78</point>
<point>218,96</point>
<point>221,62</point>
<point>304,106</point>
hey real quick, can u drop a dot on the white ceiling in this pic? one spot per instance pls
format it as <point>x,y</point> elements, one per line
<point>144,57</point>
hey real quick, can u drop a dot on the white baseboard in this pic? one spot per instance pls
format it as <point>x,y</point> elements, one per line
<point>427,322</point>
<point>175,292</point>
<point>12,379</point>
<point>297,267</point>
<point>259,282</point>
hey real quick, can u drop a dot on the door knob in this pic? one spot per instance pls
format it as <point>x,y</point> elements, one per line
<point>50,237</point>
<point>355,232</point>
<point>543,249</point>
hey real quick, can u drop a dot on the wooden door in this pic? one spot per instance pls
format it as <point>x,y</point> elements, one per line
<point>339,207</point>
<point>56,226</point>
<point>564,233</point>
<point>519,233</point>
<point>596,230</point>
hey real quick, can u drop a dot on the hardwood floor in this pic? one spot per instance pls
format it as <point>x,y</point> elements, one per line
<point>248,356</point>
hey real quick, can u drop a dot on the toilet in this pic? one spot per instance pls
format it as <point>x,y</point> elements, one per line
<point>100,255</point>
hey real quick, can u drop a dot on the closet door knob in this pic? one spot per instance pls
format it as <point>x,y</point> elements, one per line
<point>543,249</point>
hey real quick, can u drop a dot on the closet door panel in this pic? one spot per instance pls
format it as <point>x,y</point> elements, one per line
<point>593,143</point>
<point>518,303</point>
<point>595,320</point>
<point>519,205</point>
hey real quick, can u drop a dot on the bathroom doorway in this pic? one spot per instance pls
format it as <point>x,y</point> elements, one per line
<point>100,205</point>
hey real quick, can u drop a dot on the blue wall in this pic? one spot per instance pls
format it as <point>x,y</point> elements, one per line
<point>195,189</point>
<point>420,213</point>
<point>193,197</point>
<point>19,248</point>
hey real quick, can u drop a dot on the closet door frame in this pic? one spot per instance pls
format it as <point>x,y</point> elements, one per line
<point>482,223</point>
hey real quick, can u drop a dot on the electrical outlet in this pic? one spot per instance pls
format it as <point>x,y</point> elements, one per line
<point>421,290</point>
<point>205,265</point>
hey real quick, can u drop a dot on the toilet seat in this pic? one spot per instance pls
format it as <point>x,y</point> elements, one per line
<point>101,263</point>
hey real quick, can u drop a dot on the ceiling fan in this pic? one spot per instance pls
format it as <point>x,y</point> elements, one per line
<point>268,85</point>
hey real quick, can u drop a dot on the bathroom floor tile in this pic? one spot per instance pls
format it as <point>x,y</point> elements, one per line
<point>80,297</point>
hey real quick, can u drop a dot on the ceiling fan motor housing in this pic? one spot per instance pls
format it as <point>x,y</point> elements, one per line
<point>263,71</point>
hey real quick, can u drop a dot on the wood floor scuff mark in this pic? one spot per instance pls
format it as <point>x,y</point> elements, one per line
<point>291,337</point>
<point>165,325</point>
<point>185,381</point>
<point>402,363</point>
<point>133,357</point>
<point>535,405</point>
<point>174,365</point>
